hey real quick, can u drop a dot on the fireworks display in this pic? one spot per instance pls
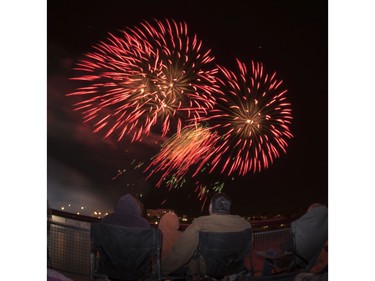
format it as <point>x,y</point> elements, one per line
<point>253,117</point>
<point>157,77</point>
<point>152,75</point>
<point>191,149</point>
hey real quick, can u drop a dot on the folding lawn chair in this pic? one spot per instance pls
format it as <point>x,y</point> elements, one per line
<point>224,254</point>
<point>124,253</point>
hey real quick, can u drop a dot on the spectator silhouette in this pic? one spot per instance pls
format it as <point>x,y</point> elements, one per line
<point>181,260</point>
<point>308,235</point>
<point>169,226</point>
<point>127,212</point>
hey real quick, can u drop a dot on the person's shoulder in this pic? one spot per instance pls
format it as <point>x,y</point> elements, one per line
<point>147,225</point>
<point>238,218</point>
<point>235,216</point>
<point>202,219</point>
<point>198,222</point>
<point>222,218</point>
<point>144,222</point>
<point>228,217</point>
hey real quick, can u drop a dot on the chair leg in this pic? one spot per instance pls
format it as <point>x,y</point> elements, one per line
<point>92,266</point>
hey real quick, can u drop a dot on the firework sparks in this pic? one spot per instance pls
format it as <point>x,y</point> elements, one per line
<point>253,118</point>
<point>155,74</point>
<point>119,173</point>
<point>191,149</point>
<point>203,191</point>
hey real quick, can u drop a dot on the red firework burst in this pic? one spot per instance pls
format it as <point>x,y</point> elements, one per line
<point>253,117</point>
<point>191,149</point>
<point>154,74</point>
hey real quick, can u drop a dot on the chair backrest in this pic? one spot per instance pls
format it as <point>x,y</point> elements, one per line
<point>224,253</point>
<point>125,253</point>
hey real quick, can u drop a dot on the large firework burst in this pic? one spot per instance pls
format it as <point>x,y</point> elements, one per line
<point>154,74</point>
<point>191,149</point>
<point>253,117</point>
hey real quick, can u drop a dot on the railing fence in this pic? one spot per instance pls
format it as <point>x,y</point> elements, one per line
<point>69,244</point>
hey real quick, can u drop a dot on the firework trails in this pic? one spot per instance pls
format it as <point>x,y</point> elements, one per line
<point>157,77</point>
<point>253,117</point>
<point>191,149</point>
<point>152,75</point>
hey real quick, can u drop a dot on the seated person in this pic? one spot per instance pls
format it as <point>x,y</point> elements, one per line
<point>169,225</point>
<point>127,213</point>
<point>308,235</point>
<point>219,220</point>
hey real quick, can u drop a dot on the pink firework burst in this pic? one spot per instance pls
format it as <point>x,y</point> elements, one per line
<point>152,75</point>
<point>253,117</point>
<point>191,149</point>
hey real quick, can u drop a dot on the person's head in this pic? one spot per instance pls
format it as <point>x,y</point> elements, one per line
<point>314,206</point>
<point>169,221</point>
<point>127,204</point>
<point>220,204</point>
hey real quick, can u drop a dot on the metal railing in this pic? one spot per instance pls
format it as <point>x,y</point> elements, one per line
<point>269,239</point>
<point>69,242</point>
<point>69,248</point>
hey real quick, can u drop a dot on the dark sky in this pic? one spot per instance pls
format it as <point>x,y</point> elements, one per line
<point>289,37</point>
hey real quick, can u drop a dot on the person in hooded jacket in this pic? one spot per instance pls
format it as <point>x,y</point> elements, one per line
<point>169,226</point>
<point>127,213</point>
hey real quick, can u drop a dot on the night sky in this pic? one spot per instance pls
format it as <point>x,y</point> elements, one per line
<point>289,37</point>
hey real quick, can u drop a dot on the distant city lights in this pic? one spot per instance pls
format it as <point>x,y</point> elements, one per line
<point>83,210</point>
<point>154,216</point>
